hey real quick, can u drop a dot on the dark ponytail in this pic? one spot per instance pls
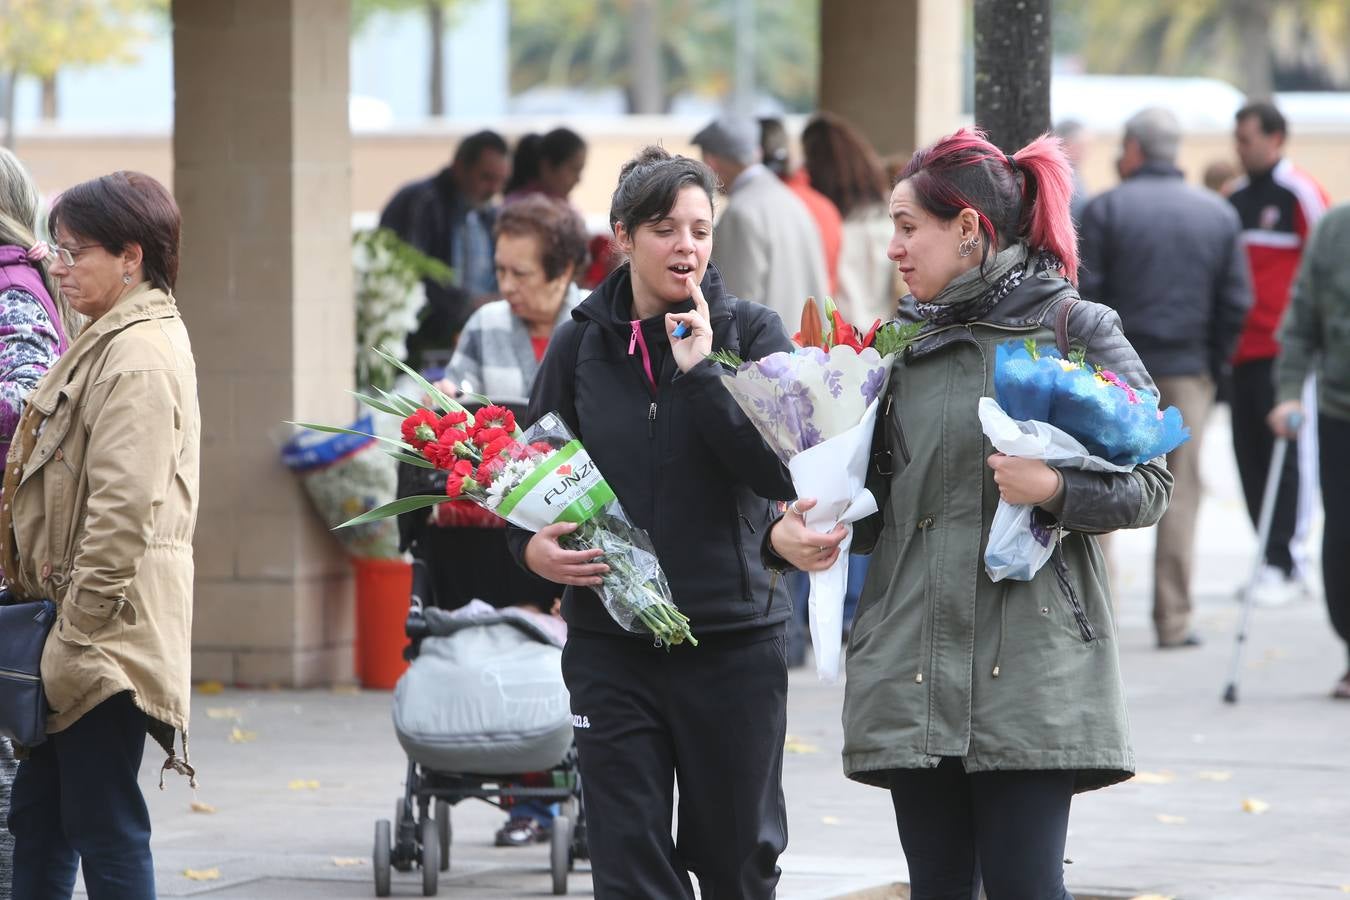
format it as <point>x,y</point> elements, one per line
<point>558,146</point>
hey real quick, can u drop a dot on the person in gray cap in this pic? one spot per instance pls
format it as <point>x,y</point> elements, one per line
<point>1166,256</point>
<point>766,244</point>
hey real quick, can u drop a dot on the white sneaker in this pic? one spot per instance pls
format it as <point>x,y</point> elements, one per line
<point>1273,588</point>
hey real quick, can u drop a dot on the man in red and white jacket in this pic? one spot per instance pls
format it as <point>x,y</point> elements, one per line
<point>1278,205</point>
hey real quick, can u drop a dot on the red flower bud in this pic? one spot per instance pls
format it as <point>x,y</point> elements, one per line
<point>845,334</point>
<point>496,417</point>
<point>485,436</point>
<point>452,436</point>
<point>497,447</point>
<point>454,482</point>
<point>442,456</point>
<point>420,428</point>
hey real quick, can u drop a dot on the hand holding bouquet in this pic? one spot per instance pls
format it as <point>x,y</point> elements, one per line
<point>533,479</point>
<point>1073,415</point>
<point>816,407</point>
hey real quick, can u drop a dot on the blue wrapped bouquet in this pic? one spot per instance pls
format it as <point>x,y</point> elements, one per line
<point>1109,417</point>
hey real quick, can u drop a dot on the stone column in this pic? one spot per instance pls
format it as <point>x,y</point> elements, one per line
<point>894,68</point>
<point>262,174</point>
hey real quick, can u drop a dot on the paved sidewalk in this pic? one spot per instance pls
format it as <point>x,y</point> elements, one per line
<point>297,779</point>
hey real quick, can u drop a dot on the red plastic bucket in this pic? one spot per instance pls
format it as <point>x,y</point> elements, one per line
<point>382,590</point>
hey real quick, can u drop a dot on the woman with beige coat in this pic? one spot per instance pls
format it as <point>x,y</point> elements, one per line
<point>99,506</point>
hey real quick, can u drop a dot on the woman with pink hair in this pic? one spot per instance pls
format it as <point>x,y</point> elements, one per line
<point>984,707</point>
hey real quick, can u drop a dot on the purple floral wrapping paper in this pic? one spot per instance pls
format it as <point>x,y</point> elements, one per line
<point>799,399</point>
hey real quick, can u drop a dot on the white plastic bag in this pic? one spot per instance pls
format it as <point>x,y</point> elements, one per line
<point>1019,544</point>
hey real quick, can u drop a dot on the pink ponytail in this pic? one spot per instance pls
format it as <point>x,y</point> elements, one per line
<point>965,171</point>
<point>1048,223</point>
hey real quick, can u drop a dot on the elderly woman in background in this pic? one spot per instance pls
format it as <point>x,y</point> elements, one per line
<point>101,501</point>
<point>32,335</point>
<point>541,246</point>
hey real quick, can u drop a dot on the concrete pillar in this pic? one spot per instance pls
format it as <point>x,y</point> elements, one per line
<point>893,68</point>
<point>262,174</point>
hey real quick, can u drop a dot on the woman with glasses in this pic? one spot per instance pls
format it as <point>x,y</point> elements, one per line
<point>100,490</point>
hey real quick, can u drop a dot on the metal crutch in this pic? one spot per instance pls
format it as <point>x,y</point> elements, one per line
<point>1230,694</point>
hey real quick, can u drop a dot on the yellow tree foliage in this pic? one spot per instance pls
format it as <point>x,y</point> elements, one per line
<point>40,37</point>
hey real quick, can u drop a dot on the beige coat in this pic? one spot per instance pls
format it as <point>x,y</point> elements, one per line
<point>104,512</point>
<point>767,246</point>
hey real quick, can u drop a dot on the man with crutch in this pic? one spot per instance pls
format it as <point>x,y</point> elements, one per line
<point>1315,335</point>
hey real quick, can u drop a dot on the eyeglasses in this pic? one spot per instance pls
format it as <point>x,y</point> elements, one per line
<point>67,254</point>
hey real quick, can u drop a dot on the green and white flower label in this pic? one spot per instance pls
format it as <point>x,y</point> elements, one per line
<point>566,487</point>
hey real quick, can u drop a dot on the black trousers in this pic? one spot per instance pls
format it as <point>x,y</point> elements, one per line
<point>1333,451</point>
<point>1253,443</point>
<point>76,800</point>
<point>712,718</point>
<point>1007,827</point>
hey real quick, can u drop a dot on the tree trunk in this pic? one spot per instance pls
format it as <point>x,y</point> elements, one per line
<point>1252,18</point>
<point>744,86</point>
<point>436,88</point>
<point>647,92</point>
<point>49,105</point>
<point>11,83</point>
<point>1012,70</point>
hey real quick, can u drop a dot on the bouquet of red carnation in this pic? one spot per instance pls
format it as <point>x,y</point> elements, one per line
<point>531,479</point>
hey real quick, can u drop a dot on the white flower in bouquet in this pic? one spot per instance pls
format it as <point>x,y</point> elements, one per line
<point>511,476</point>
<point>388,276</point>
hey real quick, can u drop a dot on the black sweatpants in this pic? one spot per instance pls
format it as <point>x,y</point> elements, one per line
<point>1007,827</point>
<point>712,718</point>
<point>1253,443</point>
<point>1333,451</point>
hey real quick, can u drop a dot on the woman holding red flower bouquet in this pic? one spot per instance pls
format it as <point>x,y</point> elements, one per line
<point>692,471</point>
<point>984,707</point>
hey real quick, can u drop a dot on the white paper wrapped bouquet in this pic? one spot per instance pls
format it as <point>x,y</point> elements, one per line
<point>815,407</point>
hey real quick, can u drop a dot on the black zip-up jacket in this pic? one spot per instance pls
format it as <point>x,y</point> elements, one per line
<point>1168,258</point>
<point>684,461</point>
<point>428,214</point>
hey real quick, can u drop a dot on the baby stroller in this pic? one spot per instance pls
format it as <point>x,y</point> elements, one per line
<point>482,714</point>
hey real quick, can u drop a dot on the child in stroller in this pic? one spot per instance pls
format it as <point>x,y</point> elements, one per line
<point>482,703</point>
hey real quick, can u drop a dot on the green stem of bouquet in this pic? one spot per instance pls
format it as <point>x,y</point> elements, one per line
<point>629,586</point>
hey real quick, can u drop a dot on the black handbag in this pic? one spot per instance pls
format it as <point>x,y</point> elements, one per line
<point>23,703</point>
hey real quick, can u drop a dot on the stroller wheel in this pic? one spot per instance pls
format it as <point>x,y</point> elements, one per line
<point>560,853</point>
<point>431,856</point>
<point>381,858</point>
<point>443,832</point>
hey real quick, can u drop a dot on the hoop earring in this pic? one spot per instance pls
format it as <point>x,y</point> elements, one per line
<point>967,247</point>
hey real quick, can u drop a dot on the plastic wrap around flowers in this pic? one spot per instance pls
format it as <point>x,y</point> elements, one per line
<point>1071,416</point>
<point>1110,418</point>
<point>815,407</point>
<point>532,478</point>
